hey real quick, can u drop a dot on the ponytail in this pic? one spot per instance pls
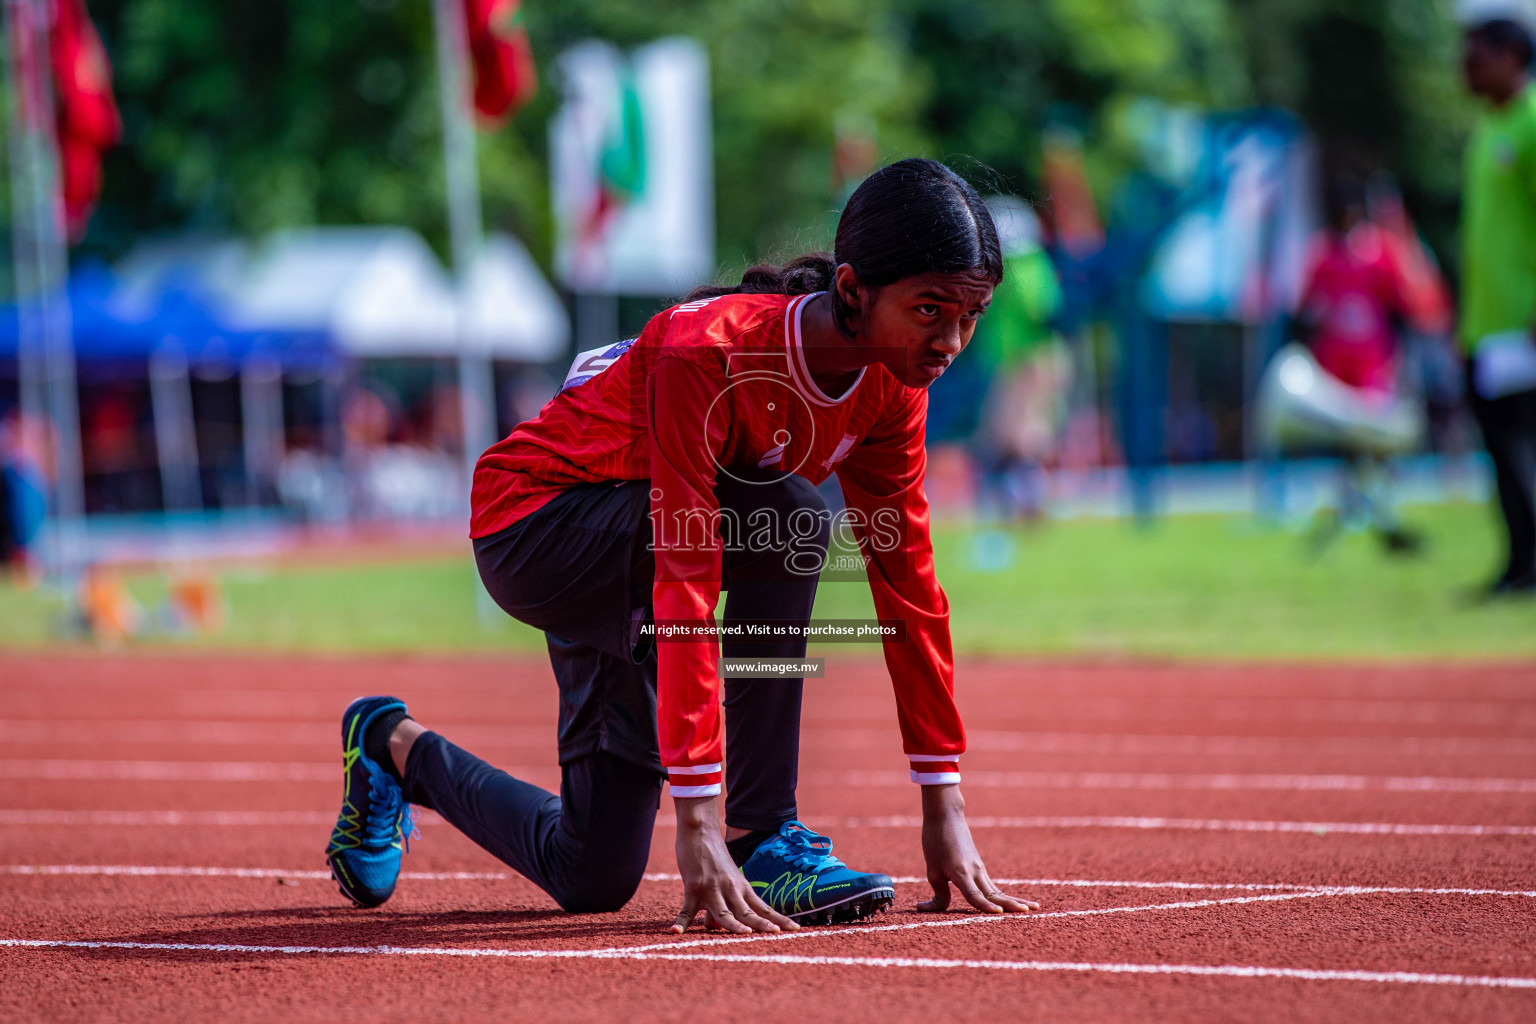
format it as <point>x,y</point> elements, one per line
<point>802,275</point>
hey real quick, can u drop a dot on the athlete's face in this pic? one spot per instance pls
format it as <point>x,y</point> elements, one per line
<point>920,324</point>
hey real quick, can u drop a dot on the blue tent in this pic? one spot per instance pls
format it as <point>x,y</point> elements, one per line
<point>115,330</point>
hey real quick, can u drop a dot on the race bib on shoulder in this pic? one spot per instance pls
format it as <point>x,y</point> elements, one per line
<point>594,361</point>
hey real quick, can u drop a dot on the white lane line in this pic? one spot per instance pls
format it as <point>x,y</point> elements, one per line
<point>231,733</point>
<point>1223,781</point>
<point>476,735</point>
<point>712,941</point>
<point>1331,890</point>
<point>965,920</point>
<point>1514,714</point>
<point>199,771</point>
<point>1205,825</point>
<point>180,871</point>
<point>243,819</point>
<point>39,701</point>
<point>170,771</point>
<point>174,870</point>
<point>258,819</point>
<point>1198,970</point>
<point>1319,889</point>
<point>299,771</point>
<point>1232,746</point>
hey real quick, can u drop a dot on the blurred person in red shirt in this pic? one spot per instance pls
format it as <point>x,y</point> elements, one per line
<point>1351,312</point>
<point>1354,295</point>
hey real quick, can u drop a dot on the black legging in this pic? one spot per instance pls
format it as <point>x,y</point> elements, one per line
<point>581,568</point>
<point>1509,433</point>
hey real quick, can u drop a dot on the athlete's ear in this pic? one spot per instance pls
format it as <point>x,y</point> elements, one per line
<point>849,297</point>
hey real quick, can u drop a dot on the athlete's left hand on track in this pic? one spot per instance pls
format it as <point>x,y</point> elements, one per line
<point>711,881</point>
<point>952,857</point>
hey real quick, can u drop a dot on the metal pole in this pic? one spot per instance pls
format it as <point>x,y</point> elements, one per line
<point>261,427</point>
<point>170,395</point>
<point>20,38</point>
<point>42,268</point>
<point>477,392</point>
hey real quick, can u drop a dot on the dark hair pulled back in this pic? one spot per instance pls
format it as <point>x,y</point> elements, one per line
<point>911,217</point>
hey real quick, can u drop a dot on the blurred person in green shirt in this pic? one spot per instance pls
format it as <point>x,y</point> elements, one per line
<point>1020,356</point>
<point>1498,264</point>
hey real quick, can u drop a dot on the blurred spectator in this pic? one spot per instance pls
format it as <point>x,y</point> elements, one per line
<point>1026,369</point>
<point>24,464</point>
<point>366,421</point>
<point>1352,295</point>
<point>1351,307</point>
<point>1498,248</point>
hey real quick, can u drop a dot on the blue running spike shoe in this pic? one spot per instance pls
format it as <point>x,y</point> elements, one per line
<point>375,820</point>
<point>795,873</point>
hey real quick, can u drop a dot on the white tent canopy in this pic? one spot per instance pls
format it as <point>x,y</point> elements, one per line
<point>381,292</point>
<point>512,309</point>
<point>375,291</point>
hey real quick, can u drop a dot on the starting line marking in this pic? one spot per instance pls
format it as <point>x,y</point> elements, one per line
<point>668,951</point>
<point>181,871</point>
<point>305,771</point>
<point>1201,970</point>
<point>259,819</point>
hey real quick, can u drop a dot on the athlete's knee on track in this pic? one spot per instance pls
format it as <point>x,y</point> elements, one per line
<point>601,891</point>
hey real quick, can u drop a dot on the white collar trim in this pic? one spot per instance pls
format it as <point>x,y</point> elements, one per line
<point>799,372</point>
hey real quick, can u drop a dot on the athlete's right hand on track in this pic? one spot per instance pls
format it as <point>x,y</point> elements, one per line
<point>952,857</point>
<point>711,880</point>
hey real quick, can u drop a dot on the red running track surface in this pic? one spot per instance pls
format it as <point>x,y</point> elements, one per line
<point>1348,842</point>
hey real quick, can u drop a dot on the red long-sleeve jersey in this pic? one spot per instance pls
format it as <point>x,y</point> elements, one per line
<point>719,385</point>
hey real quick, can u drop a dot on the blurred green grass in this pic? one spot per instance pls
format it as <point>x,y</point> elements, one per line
<point>1189,587</point>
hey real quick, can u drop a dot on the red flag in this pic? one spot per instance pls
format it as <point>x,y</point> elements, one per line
<point>505,78</point>
<point>85,112</point>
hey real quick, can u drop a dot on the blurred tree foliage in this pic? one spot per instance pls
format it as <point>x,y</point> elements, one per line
<point>245,115</point>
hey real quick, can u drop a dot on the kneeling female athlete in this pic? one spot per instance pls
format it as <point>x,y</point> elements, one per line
<point>671,467</point>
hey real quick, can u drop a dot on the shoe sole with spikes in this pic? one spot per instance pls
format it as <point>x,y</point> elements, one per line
<point>853,910</point>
